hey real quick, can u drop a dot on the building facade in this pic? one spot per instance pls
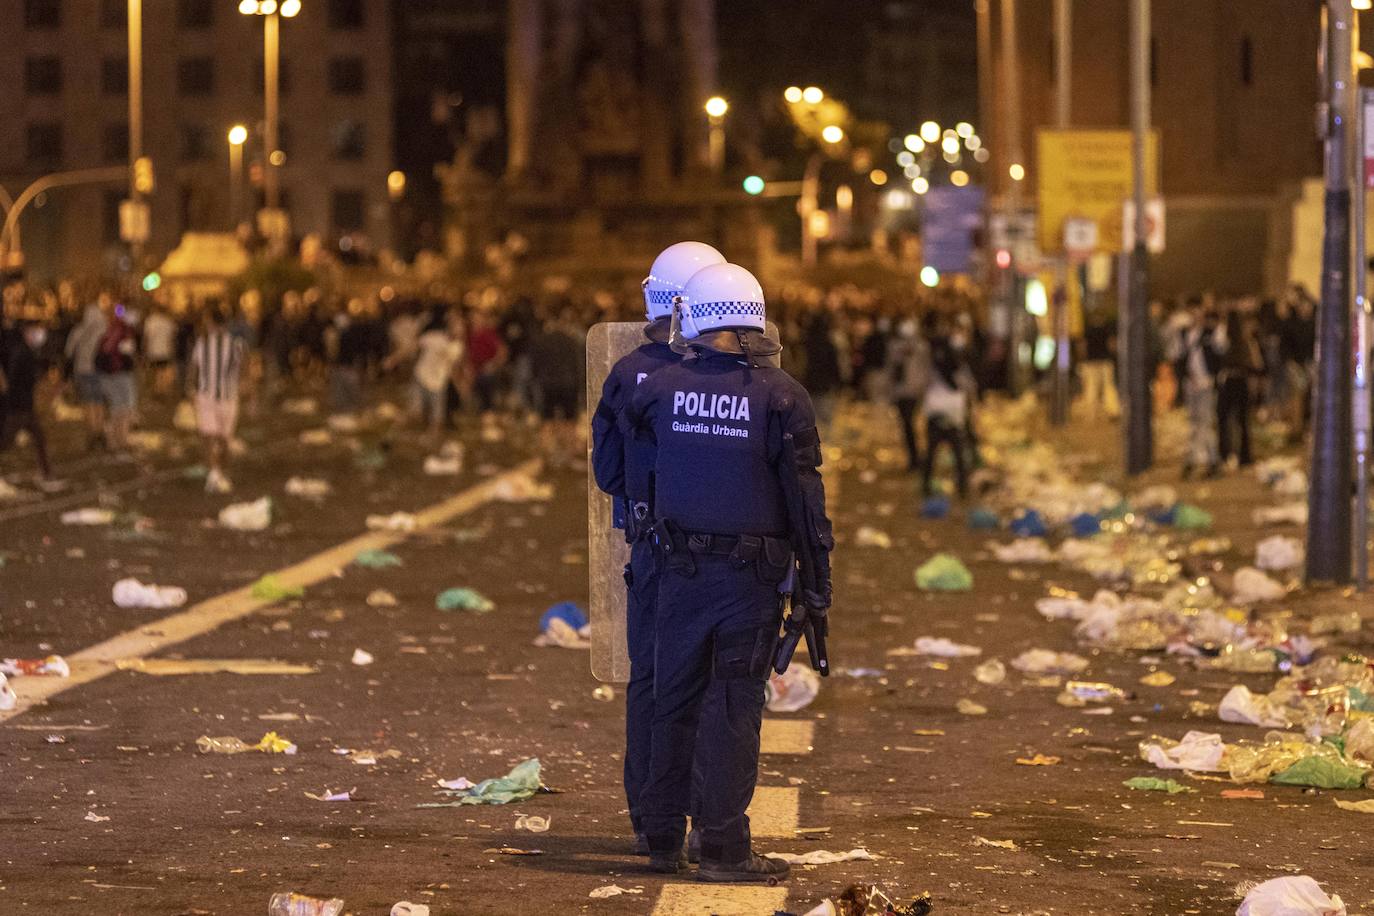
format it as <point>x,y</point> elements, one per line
<point>1235,89</point>
<point>67,64</point>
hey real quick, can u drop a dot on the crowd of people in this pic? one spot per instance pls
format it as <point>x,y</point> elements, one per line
<point>492,351</point>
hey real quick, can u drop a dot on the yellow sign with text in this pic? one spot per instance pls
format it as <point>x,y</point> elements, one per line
<point>1088,174</point>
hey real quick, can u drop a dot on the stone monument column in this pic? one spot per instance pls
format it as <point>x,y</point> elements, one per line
<point>524,60</point>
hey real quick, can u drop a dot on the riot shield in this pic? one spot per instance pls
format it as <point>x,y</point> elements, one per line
<point>607,552</point>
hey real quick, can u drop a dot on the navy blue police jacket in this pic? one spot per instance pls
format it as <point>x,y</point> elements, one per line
<point>621,464</point>
<point>716,429</point>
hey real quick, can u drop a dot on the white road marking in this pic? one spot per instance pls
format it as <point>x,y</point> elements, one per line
<point>775,811</point>
<point>719,900</point>
<point>100,660</point>
<point>787,736</point>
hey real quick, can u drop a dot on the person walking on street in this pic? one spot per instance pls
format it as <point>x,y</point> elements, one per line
<point>1241,368</point>
<point>946,406</point>
<point>159,349</point>
<point>908,362</point>
<point>1200,348</point>
<point>115,359</point>
<point>439,350</point>
<point>80,350</point>
<point>1098,371</point>
<point>21,369</point>
<point>217,360</point>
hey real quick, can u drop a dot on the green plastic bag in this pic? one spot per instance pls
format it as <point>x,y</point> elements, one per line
<point>1322,772</point>
<point>377,559</point>
<point>463,599</point>
<point>520,783</point>
<point>1155,784</point>
<point>1191,518</point>
<point>271,588</point>
<point>944,573</point>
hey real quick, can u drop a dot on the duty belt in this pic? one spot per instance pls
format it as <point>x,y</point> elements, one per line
<point>679,545</point>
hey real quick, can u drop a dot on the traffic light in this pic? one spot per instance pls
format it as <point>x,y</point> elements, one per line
<point>753,185</point>
<point>152,282</point>
<point>144,182</point>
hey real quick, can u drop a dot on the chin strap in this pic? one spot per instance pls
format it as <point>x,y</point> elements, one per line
<point>748,357</point>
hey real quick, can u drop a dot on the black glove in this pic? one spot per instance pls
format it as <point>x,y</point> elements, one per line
<point>817,601</point>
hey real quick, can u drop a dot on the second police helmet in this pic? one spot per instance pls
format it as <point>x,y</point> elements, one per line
<point>673,267</point>
<point>720,296</point>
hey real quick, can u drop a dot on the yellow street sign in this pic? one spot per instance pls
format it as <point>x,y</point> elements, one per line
<point>1087,174</point>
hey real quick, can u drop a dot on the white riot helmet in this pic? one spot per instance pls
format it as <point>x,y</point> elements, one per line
<point>720,296</point>
<point>673,267</point>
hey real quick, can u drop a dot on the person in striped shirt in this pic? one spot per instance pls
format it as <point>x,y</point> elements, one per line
<point>216,366</point>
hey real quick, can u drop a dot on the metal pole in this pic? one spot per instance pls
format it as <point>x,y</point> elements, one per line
<point>135,29</point>
<point>716,142</point>
<point>1360,317</point>
<point>1011,139</point>
<point>235,183</point>
<point>1139,443</point>
<point>807,205</point>
<point>1328,499</point>
<point>983,12</point>
<point>271,50</point>
<point>1063,67</point>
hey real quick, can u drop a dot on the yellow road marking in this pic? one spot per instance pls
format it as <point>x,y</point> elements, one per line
<point>775,811</point>
<point>787,736</point>
<point>101,659</point>
<point>719,900</point>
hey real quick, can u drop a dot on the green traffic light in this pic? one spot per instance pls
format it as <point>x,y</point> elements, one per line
<point>152,281</point>
<point>753,185</point>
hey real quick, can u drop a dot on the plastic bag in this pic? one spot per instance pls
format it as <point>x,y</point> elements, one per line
<point>945,648</point>
<point>1155,784</point>
<point>520,783</point>
<point>1201,751</point>
<point>944,573</point>
<point>1290,896</point>
<point>1045,661</point>
<point>1323,772</point>
<point>792,690</point>
<point>250,516</point>
<point>1250,586</point>
<point>131,593</point>
<point>1278,553</point>
<point>463,599</point>
<point>1240,705</point>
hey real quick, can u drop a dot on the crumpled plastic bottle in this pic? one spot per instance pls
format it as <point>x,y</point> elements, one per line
<point>293,904</point>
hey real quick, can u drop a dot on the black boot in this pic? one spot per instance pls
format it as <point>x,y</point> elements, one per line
<point>667,861</point>
<point>753,868</point>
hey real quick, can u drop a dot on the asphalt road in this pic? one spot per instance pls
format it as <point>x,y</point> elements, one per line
<point>109,807</point>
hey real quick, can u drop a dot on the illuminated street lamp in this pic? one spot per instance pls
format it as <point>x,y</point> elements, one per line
<point>396,185</point>
<point>930,131</point>
<point>1017,171</point>
<point>238,135</point>
<point>812,95</point>
<point>832,133</point>
<point>272,13</point>
<point>716,107</point>
<point>792,94</point>
<point>914,143</point>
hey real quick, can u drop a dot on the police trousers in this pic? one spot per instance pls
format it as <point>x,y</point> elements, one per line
<point>715,632</point>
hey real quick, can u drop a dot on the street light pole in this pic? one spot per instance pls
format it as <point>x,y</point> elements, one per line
<point>1063,67</point>
<point>1328,497</point>
<point>1011,142</point>
<point>1134,339</point>
<point>716,107</point>
<point>238,135</point>
<point>135,66</point>
<point>271,60</point>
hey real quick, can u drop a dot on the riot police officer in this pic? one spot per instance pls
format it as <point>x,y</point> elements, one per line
<point>623,468</point>
<point>722,423</point>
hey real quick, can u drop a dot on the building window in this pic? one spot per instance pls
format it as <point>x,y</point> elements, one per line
<point>348,206</point>
<point>346,14</point>
<point>283,76</point>
<point>43,76</point>
<point>43,144</point>
<point>347,76</point>
<point>195,143</point>
<point>43,14</point>
<point>348,139</point>
<point>114,76</point>
<point>109,214</point>
<point>1247,62</point>
<point>195,14</point>
<point>196,76</point>
<point>115,142</point>
<point>114,14</point>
